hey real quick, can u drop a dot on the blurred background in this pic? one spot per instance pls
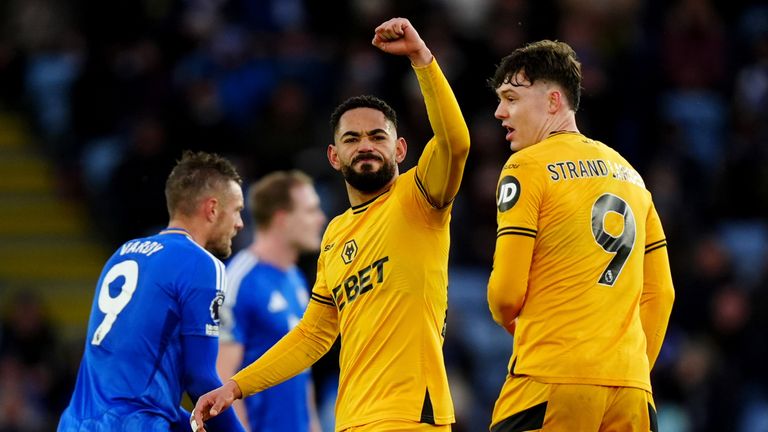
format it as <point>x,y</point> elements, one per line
<point>97,100</point>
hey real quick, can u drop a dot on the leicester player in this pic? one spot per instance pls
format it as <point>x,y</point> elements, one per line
<point>267,295</point>
<point>383,268</point>
<point>154,324</point>
<point>580,273</point>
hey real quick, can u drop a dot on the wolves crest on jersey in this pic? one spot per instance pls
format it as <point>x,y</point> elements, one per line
<point>349,252</point>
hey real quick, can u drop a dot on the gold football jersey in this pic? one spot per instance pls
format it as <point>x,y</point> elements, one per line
<point>382,279</point>
<point>592,221</point>
<point>383,266</point>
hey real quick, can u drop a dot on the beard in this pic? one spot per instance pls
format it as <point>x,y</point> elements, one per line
<point>220,248</point>
<point>220,251</point>
<point>368,180</point>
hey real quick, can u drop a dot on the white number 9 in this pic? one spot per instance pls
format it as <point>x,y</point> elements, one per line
<point>112,306</point>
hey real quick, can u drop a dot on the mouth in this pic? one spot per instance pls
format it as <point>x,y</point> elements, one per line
<point>366,158</point>
<point>510,132</point>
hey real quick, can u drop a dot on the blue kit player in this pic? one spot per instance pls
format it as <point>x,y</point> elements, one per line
<point>154,325</point>
<point>267,296</point>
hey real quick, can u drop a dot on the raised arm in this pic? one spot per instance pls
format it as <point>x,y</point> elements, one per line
<point>441,165</point>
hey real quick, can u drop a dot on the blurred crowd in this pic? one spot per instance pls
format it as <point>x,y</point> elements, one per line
<point>117,89</point>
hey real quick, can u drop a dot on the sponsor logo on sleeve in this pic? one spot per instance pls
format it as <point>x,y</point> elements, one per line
<point>215,307</point>
<point>508,193</point>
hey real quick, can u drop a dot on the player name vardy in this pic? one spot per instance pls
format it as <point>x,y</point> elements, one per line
<point>568,170</point>
<point>143,247</point>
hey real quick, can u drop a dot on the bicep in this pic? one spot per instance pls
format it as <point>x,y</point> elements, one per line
<point>657,275</point>
<point>439,173</point>
<point>519,194</point>
<point>441,164</point>
<point>508,283</point>
<point>201,298</point>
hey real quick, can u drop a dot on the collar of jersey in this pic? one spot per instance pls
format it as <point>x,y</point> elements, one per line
<point>562,132</point>
<point>364,206</point>
<point>172,230</point>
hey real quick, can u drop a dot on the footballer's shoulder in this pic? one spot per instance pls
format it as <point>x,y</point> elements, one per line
<point>331,234</point>
<point>338,221</point>
<point>521,160</point>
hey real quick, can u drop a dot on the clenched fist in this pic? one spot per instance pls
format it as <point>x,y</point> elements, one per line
<point>398,36</point>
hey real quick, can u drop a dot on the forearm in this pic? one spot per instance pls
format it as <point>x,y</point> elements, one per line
<point>295,352</point>
<point>504,306</point>
<point>200,376</point>
<point>508,283</point>
<point>441,165</point>
<point>656,301</point>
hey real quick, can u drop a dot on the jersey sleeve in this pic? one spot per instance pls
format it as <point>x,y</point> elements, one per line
<point>441,165</point>
<point>299,348</point>
<point>518,199</point>
<point>508,283</point>
<point>654,233</point>
<point>658,291</point>
<point>296,351</point>
<point>202,296</point>
<point>200,377</point>
<point>519,194</point>
<point>321,294</point>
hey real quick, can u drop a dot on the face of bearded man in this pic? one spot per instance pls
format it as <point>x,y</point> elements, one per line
<point>366,150</point>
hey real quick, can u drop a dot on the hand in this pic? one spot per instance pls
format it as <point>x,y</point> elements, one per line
<point>212,403</point>
<point>397,36</point>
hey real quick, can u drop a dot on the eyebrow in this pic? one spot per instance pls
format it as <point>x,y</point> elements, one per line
<point>369,133</point>
<point>507,92</point>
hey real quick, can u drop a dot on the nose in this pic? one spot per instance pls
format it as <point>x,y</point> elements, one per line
<point>365,146</point>
<point>500,113</point>
<point>239,223</point>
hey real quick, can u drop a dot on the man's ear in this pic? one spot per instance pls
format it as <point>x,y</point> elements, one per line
<point>279,218</point>
<point>401,148</point>
<point>555,99</point>
<point>211,208</point>
<point>333,157</point>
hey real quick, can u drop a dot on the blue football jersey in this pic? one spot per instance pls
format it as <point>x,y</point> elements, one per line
<point>151,292</point>
<point>263,304</point>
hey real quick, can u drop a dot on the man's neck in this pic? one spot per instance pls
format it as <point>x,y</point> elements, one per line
<point>560,123</point>
<point>272,248</point>
<point>198,234</point>
<point>357,197</point>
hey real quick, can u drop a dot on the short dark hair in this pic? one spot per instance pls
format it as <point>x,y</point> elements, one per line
<point>194,175</point>
<point>272,193</point>
<point>544,60</point>
<point>364,101</point>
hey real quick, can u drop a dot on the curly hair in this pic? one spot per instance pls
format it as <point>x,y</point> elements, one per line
<point>545,60</point>
<point>365,101</point>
